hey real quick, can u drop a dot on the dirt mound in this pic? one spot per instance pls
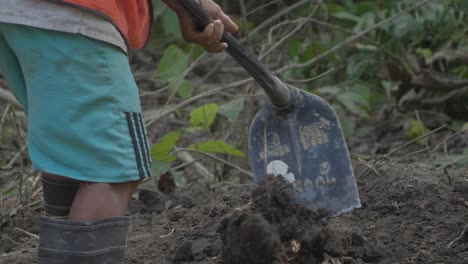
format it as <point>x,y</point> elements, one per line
<point>277,230</point>
<point>411,213</point>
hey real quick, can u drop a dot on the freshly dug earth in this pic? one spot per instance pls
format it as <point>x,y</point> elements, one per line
<point>411,213</point>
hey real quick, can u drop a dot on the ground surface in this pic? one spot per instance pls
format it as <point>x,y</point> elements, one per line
<point>411,213</point>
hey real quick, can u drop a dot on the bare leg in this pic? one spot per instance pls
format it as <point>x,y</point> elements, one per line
<point>95,201</point>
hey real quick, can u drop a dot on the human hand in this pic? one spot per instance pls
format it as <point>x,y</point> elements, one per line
<point>211,36</point>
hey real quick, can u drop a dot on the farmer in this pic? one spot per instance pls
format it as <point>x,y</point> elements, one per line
<point>66,63</point>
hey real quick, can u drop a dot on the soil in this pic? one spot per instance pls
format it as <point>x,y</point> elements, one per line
<point>411,213</point>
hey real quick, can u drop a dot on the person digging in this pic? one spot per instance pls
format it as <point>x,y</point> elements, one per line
<point>66,62</point>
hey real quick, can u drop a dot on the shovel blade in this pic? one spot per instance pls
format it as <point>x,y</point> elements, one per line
<point>308,149</point>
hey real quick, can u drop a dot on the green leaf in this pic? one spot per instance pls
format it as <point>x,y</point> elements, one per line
<point>352,102</point>
<point>161,151</point>
<point>426,53</point>
<point>204,116</point>
<point>170,24</point>
<point>232,109</point>
<point>346,16</point>
<point>405,25</point>
<point>217,146</point>
<point>359,64</point>
<point>185,89</point>
<point>160,167</point>
<point>417,129</point>
<point>173,63</point>
<point>364,93</point>
<point>451,159</point>
<point>465,127</point>
<point>347,124</point>
<point>389,87</point>
<point>331,90</point>
<point>294,47</point>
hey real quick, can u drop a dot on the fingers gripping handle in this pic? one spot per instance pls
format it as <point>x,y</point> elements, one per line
<point>280,94</point>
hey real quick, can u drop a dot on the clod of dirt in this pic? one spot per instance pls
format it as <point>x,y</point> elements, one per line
<point>336,240</point>
<point>166,183</point>
<point>183,253</point>
<point>274,199</point>
<point>250,239</point>
<point>154,201</point>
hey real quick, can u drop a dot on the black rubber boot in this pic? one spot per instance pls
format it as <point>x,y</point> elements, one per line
<point>58,196</point>
<point>72,242</point>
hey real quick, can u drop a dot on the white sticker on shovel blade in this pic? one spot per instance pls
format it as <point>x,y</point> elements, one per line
<point>280,168</point>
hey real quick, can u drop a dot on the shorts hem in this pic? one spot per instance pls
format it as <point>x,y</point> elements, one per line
<point>81,177</point>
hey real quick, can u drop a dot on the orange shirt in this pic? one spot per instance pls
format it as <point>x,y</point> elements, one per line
<point>133,18</point>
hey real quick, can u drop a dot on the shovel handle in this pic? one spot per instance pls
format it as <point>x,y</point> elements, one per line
<point>280,94</point>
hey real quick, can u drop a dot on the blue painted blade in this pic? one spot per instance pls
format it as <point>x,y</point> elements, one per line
<point>308,149</point>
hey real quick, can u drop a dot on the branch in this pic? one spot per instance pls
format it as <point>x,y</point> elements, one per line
<point>218,159</point>
<point>438,100</point>
<point>433,80</point>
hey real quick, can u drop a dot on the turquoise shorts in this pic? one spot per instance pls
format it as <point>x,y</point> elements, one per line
<point>84,113</point>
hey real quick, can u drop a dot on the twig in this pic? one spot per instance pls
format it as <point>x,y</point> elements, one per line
<point>282,40</point>
<point>369,166</point>
<point>180,78</point>
<point>218,159</point>
<point>301,22</point>
<point>352,39</point>
<point>13,160</point>
<point>186,164</point>
<point>275,17</point>
<point>384,160</point>
<point>27,233</point>
<point>210,72</point>
<point>201,170</point>
<point>2,121</point>
<point>262,7</point>
<point>414,140</point>
<point>8,97</point>
<point>448,138</point>
<point>412,154</point>
<point>198,97</point>
<point>168,235</point>
<point>313,78</point>
<point>458,237</point>
<point>16,123</point>
<point>287,22</point>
